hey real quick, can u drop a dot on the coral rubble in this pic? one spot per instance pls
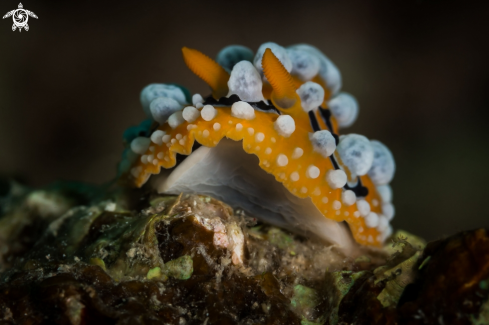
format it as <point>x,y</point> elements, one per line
<point>72,254</point>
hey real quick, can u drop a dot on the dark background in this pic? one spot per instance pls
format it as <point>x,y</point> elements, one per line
<point>419,69</point>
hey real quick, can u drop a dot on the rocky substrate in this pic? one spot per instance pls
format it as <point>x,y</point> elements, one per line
<point>76,254</point>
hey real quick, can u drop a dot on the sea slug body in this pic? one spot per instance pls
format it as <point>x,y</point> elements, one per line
<point>284,107</point>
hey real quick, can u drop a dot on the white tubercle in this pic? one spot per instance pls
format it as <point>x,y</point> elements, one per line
<point>208,113</point>
<point>276,49</point>
<point>383,165</point>
<point>190,114</point>
<point>372,220</point>
<point>304,65</point>
<point>197,99</point>
<point>284,125</point>
<point>383,223</point>
<point>356,153</point>
<point>349,197</point>
<point>162,107</point>
<point>327,70</point>
<point>313,172</point>
<point>245,81</point>
<point>153,91</point>
<point>229,56</point>
<point>175,119</point>
<point>363,207</point>
<point>323,142</point>
<point>311,94</point>
<point>242,110</point>
<point>140,145</point>
<point>336,178</point>
<point>385,193</point>
<point>388,211</point>
<point>344,107</point>
<point>157,137</point>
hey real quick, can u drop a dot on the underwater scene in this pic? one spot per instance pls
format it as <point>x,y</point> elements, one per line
<point>225,165</point>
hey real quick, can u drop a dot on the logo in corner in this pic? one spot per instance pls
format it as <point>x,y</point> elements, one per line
<point>20,17</point>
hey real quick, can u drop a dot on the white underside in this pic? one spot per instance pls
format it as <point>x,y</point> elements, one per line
<point>226,172</point>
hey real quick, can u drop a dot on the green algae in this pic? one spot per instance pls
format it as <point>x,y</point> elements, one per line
<point>180,268</point>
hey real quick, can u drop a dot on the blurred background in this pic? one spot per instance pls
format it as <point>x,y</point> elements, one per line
<point>419,69</point>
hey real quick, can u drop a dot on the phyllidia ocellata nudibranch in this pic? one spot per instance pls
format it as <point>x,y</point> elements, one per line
<point>284,106</point>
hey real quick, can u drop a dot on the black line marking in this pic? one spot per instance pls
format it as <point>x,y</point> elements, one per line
<point>314,121</point>
<point>229,101</point>
<point>358,189</point>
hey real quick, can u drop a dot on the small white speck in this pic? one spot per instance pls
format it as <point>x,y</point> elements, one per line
<point>304,190</point>
<point>259,137</point>
<point>167,158</point>
<point>182,142</point>
<point>294,177</point>
<point>313,172</point>
<point>205,133</point>
<point>346,213</point>
<point>144,159</point>
<point>268,151</point>
<point>257,148</point>
<point>356,214</point>
<point>173,141</point>
<point>317,191</point>
<point>216,126</point>
<point>239,127</point>
<point>251,131</point>
<point>375,202</point>
<point>150,158</point>
<point>208,113</point>
<point>230,122</point>
<point>152,149</point>
<point>298,152</point>
<point>324,199</point>
<point>273,140</point>
<point>160,155</point>
<point>178,136</point>
<point>155,162</point>
<point>336,205</point>
<point>282,160</point>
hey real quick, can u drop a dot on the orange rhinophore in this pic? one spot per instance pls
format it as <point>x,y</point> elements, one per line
<point>267,140</point>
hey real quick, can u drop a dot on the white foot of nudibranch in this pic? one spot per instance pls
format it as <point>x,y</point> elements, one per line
<point>231,175</point>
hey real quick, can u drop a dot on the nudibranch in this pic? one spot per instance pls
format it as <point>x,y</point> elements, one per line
<point>267,140</point>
